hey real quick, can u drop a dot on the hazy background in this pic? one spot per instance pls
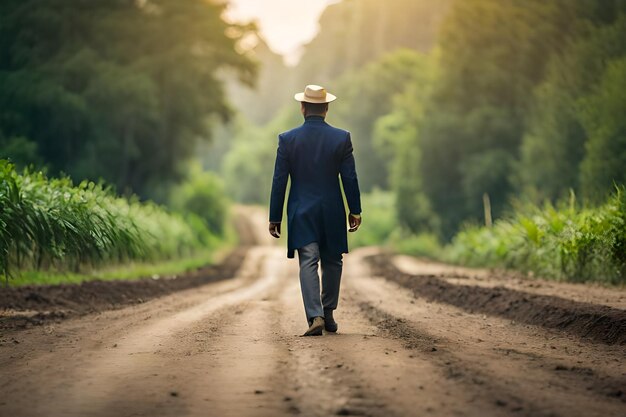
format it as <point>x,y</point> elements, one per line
<point>286,25</point>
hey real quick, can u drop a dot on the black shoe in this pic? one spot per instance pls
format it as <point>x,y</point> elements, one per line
<point>316,327</point>
<point>329,322</point>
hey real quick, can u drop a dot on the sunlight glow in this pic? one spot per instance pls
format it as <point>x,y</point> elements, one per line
<point>286,25</point>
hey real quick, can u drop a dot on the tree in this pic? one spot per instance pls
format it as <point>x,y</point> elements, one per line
<point>493,54</point>
<point>248,165</point>
<point>367,94</point>
<point>120,90</point>
<point>397,137</point>
<point>602,116</point>
<point>555,143</point>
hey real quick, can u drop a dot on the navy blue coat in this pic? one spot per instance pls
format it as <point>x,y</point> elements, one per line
<point>314,155</point>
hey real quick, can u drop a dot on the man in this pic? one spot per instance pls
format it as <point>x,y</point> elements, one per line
<point>314,155</point>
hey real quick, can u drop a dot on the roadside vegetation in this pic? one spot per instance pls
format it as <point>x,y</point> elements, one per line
<point>565,242</point>
<point>562,242</point>
<point>69,231</point>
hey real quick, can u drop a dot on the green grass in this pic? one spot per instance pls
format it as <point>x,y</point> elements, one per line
<point>425,244</point>
<point>562,242</point>
<point>134,270</point>
<point>131,271</point>
<point>52,230</point>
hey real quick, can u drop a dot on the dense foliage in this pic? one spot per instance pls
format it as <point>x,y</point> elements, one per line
<point>202,195</point>
<point>552,242</point>
<point>489,101</point>
<point>367,95</point>
<point>53,224</point>
<point>451,104</point>
<point>115,89</point>
<point>248,166</point>
<point>577,124</point>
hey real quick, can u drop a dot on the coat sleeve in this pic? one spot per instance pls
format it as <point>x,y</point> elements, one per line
<point>279,183</point>
<point>349,179</point>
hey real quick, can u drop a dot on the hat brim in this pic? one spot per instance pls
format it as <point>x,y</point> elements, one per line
<point>304,99</point>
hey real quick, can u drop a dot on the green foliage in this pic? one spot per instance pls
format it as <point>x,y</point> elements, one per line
<point>602,115</point>
<point>424,244</point>
<point>366,95</point>
<point>202,195</point>
<point>557,138</point>
<point>23,151</point>
<point>379,223</point>
<point>50,223</point>
<point>119,90</point>
<point>248,166</point>
<point>493,53</point>
<point>562,243</point>
<point>396,138</point>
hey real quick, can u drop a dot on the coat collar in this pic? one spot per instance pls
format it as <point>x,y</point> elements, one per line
<point>314,119</point>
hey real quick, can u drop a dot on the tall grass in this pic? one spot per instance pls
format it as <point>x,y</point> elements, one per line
<point>563,242</point>
<point>52,223</point>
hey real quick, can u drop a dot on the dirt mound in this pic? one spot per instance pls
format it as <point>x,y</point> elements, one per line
<point>600,323</point>
<point>33,304</point>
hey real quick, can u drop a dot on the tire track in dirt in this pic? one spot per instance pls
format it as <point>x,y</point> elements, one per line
<point>124,371</point>
<point>598,322</point>
<point>78,374</point>
<point>516,367</point>
<point>589,293</point>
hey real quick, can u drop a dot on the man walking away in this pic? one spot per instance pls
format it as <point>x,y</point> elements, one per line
<point>314,155</point>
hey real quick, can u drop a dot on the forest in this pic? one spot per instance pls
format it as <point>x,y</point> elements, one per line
<point>486,132</point>
<point>99,90</point>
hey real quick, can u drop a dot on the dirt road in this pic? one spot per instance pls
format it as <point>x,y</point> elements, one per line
<point>232,348</point>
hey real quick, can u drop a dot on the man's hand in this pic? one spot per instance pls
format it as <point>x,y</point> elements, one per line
<point>355,222</point>
<point>275,229</point>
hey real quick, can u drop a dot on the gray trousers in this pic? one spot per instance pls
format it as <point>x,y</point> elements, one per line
<point>316,301</point>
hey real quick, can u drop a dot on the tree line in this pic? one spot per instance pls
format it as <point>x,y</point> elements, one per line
<point>500,99</point>
<point>119,90</point>
<point>525,101</point>
<point>448,102</point>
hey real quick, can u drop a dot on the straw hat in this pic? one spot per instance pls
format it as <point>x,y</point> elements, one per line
<point>315,94</point>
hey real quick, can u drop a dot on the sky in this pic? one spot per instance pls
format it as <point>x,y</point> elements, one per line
<point>286,25</point>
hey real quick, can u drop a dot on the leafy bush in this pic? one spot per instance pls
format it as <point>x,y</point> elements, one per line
<point>379,220</point>
<point>424,244</point>
<point>553,242</point>
<point>202,195</point>
<point>51,223</point>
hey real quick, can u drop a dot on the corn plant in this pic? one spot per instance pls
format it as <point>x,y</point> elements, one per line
<point>52,223</point>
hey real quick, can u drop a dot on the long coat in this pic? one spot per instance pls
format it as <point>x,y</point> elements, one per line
<point>314,155</point>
